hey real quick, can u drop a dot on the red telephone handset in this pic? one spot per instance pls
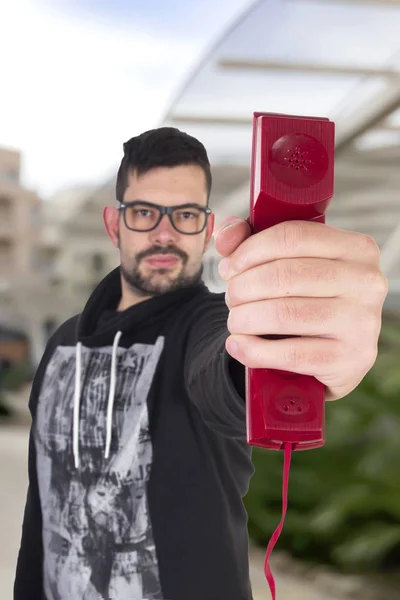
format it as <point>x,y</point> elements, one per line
<point>292,178</point>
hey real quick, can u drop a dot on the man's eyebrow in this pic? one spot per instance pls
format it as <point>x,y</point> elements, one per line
<point>186,203</point>
<point>140,200</point>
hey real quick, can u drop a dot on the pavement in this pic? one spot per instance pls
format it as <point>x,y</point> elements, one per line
<point>13,487</point>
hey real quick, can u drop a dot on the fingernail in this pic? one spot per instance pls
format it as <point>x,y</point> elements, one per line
<point>231,347</point>
<point>227,224</point>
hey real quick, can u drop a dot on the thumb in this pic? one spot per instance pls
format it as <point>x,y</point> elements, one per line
<point>230,233</point>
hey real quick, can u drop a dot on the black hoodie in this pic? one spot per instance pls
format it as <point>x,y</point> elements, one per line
<point>138,460</point>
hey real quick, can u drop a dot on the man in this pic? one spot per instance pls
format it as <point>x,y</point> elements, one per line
<point>138,456</point>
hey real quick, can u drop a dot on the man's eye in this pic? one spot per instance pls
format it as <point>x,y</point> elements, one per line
<point>143,212</point>
<point>187,215</point>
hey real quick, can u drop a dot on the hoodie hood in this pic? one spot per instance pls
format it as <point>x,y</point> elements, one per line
<point>93,330</point>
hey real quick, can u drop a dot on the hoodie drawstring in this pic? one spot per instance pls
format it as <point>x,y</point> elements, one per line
<point>111,395</point>
<point>110,404</point>
<point>77,401</point>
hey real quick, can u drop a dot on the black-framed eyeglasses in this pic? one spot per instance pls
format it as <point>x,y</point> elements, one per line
<point>189,219</point>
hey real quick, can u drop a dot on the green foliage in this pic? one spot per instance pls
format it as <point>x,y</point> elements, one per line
<point>15,376</point>
<point>344,498</point>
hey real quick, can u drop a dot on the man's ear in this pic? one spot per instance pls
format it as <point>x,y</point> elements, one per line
<point>111,223</point>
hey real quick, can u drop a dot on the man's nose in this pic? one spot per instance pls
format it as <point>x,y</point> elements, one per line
<point>164,233</point>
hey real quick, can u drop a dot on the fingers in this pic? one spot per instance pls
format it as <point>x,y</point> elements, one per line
<point>325,317</point>
<point>295,239</point>
<point>308,356</point>
<point>338,367</point>
<point>230,234</point>
<point>311,277</point>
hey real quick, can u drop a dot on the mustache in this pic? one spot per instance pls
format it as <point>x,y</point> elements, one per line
<point>157,250</point>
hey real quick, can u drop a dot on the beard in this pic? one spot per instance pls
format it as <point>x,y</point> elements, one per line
<point>152,284</point>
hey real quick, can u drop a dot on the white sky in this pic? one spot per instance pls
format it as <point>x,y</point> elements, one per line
<point>76,85</point>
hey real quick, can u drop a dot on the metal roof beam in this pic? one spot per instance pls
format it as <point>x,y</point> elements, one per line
<point>353,166</point>
<point>387,126</point>
<point>210,120</point>
<point>364,118</point>
<point>237,121</point>
<point>311,68</point>
<point>379,3</point>
<point>361,221</point>
<point>390,254</point>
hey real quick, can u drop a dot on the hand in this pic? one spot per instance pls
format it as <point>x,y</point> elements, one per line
<point>305,279</point>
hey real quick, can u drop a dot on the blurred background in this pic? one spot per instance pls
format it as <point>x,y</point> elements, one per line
<point>80,77</point>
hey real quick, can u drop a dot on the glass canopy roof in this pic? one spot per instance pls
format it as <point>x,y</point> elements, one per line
<point>330,58</point>
<point>321,57</point>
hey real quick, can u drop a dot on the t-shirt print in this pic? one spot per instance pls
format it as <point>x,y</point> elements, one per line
<point>97,534</point>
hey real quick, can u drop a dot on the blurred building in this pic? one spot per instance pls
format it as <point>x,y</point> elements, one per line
<point>79,253</point>
<point>19,222</point>
<point>52,254</point>
<point>20,219</point>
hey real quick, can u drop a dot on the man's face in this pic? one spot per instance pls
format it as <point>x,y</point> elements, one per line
<point>162,260</point>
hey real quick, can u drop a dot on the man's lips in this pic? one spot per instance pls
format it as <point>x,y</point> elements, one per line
<point>162,261</point>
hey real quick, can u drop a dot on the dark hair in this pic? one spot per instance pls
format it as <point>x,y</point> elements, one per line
<point>162,147</point>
